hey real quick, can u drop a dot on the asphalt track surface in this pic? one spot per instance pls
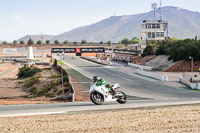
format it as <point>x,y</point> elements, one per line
<point>130,84</point>
<point>141,92</point>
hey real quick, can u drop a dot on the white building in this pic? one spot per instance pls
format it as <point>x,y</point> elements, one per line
<point>154,30</point>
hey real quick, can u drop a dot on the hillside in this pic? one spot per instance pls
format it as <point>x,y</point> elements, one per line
<point>35,38</point>
<point>182,24</point>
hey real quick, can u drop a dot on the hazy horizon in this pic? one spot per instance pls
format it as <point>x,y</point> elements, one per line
<point>53,17</point>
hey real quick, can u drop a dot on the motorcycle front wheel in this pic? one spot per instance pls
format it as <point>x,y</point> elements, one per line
<point>122,98</point>
<point>96,98</point>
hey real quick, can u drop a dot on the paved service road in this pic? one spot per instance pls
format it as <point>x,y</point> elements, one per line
<point>149,92</point>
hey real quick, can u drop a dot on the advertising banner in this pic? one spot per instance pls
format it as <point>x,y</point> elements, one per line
<point>78,50</point>
<point>65,50</point>
<point>92,50</point>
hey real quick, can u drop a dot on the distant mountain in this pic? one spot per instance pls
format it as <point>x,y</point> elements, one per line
<point>35,38</point>
<point>182,24</point>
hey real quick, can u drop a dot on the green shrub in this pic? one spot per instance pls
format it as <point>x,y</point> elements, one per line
<point>32,81</point>
<point>65,78</point>
<point>20,82</point>
<point>54,76</point>
<point>48,88</point>
<point>58,92</point>
<point>33,90</point>
<point>49,95</point>
<point>27,71</point>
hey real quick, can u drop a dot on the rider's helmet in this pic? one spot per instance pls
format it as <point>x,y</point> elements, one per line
<point>95,78</point>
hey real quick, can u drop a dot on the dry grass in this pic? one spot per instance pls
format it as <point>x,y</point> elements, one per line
<point>162,120</point>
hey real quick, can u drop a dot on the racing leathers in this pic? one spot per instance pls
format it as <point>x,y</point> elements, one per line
<point>102,82</point>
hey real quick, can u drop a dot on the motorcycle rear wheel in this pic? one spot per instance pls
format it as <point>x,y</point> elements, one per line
<point>122,99</point>
<point>96,98</point>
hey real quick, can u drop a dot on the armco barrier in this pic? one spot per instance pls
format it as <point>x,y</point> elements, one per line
<point>153,75</point>
<point>69,80</point>
<point>188,83</point>
<point>140,66</point>
<point>95,60</point>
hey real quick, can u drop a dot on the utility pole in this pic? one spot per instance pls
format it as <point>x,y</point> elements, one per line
<point>192,62</point>
<point>160,10</point>
<point>154,6</point>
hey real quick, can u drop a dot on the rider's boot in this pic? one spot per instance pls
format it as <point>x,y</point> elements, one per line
<point>113,92</point>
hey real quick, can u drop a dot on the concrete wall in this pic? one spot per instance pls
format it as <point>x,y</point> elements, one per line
<point>141,66</point>
<point>152,75</point>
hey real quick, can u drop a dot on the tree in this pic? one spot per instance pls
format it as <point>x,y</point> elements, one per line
<point>5,42</point>
<point>148,51</point>
<point>56,42</point>
<point>14,42</point>
<point>101,42</point>
<point>21,42</point>
<point>30,41</point>
<point>120,46</point>
<point>66,42</point>
<point>75,42</point>
<point>125,41</point>
<point>109,43</point>
<point>47,41</point>
<point>83,42</point>
<point>91,42</point>
<point>39,42</point>
<point>135,40</point>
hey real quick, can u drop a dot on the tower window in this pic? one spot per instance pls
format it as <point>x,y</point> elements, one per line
<point>157,26</point>
<point>153,26</point>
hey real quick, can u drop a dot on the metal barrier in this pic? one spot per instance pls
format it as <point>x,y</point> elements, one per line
<point>59,68</point>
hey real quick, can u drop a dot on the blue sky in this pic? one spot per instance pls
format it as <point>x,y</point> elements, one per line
<point>21,17</point>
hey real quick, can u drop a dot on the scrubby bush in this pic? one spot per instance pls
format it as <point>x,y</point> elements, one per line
<point>27,71</point>
<point>54,76</point>
<point>45,91</point>
<point>32,81</point>
<point>33,90</point>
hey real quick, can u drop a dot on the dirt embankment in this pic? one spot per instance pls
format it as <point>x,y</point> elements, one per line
<point>161,63</point>
<point>162,120</point>
<point>40,88</point>
<point>142,61</point>
<point>184,66</point>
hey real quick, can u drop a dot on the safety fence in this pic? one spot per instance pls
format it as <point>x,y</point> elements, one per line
<point>61,69</point>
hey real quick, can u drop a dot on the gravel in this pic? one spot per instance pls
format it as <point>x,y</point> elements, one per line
<point>149,120</point>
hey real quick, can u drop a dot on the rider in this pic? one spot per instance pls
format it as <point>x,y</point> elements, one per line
<point>102,82</point>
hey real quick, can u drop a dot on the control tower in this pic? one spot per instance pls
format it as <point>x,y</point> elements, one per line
<point>154,30</point>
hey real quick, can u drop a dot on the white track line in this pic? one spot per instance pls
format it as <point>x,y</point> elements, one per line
<point>116,75</point>
<point>31,114</point>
